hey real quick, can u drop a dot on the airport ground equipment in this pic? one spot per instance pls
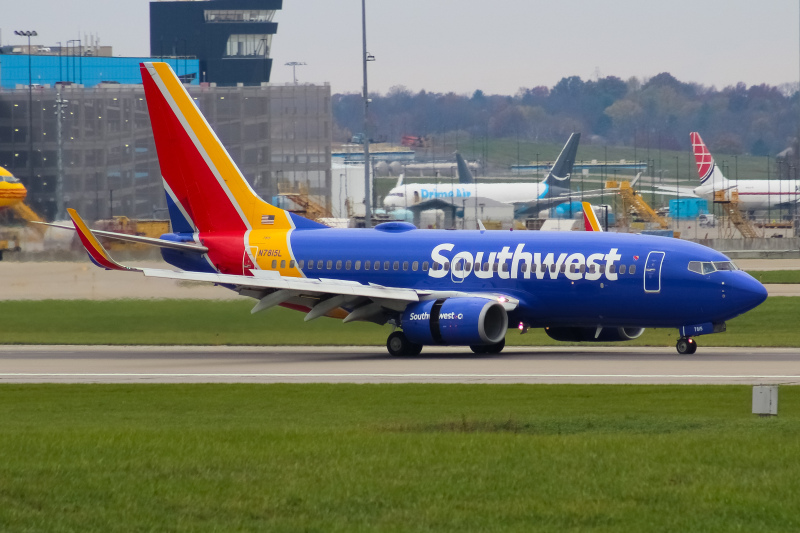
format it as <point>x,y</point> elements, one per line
<point>633,201</point>
<point>729,200</point>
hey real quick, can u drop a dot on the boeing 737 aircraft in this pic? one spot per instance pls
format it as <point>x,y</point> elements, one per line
<point>438,287</point>
<point>550,192</point>
<point>754,195</point>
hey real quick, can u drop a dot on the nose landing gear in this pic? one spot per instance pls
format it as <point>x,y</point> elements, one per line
<point>686,346</point>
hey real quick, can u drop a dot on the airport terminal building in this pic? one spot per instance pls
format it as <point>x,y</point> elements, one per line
<point>99,148</point>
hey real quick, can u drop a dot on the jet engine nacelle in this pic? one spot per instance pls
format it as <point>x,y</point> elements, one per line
<point>581,334</point>
<point>455,321</point>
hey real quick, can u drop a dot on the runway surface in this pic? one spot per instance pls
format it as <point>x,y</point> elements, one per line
<point>104,364</point>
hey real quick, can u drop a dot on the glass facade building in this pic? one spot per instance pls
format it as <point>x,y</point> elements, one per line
<point>279,135</point>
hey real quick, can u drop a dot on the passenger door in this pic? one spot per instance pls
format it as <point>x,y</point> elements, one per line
<point>652,272</point>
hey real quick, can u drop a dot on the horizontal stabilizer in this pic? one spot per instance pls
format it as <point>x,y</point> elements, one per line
<point>152,241</point>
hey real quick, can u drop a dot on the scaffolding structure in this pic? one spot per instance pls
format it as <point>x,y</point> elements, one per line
<point>729,201</point>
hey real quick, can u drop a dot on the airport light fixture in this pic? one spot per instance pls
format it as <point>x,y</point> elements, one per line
<point>367,182</point>
<point>29,34</point>
<point>294,65</point>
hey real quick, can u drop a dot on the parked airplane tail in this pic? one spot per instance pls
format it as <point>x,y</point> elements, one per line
<point>707,169</point>
<point>561,172</point>
<point>464,173</point>
<point>590,221</point>
<point>206,192</point>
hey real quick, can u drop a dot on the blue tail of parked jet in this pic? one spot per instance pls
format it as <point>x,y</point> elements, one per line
<point>561,172</point>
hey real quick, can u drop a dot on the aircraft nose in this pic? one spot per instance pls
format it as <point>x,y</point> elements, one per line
<point>746,292</point>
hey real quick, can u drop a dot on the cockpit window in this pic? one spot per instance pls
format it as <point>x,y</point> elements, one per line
<point>707,267</point>
<point>725,265</point>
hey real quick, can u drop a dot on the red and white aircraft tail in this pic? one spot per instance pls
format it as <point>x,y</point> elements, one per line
<point>708,171</point>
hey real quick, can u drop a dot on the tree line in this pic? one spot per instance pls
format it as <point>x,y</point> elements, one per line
<point>659,111</point>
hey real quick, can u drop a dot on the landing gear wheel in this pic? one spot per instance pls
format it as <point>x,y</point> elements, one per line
<point>686,346</point>
<point>489,348</point>
<point>399,345</point>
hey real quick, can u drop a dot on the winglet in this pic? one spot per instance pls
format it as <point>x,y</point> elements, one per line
<point>97,253</point>
<point>590,222</point>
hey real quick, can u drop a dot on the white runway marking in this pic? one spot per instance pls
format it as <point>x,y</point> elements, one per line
<point>372,375</point>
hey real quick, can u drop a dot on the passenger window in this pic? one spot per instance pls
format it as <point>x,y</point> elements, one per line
<point>505,267</point>
<point>396,265</point>
<point>330,264</point>
<point>563,268</point>
<point>301,264</point>
<point>347,265</point>
<point>622,269</point>
<point>524,267</point>
<point>367,265</point>
<point>283,263</point>
<point>435,266</point>
<point>573,268</point>
<point>447,265</point>
<point>553,268</point>
<point>358,265</point>
<point>378,265</point>
<point>415,266</point>
<point>405,265</point>
<point>592,269</point>
<point>338,265</point>
<point>319,264</point>
<point>602,269</point>
<point>291,263</point>
<point>274,263</point>
<point>612,269</point>
<point>583,269</point>
<point>632,269</point>
<point>425,266</point>
<point>494,267</point>
<point>386,265</point>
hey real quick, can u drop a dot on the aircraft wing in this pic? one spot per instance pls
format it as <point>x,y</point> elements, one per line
<point>322,296</point>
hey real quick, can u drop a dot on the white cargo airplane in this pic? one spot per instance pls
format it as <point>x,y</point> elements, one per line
<point>754,195</point>
<point>552,191</point>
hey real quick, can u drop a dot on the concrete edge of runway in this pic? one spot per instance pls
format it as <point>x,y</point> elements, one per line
<point>338,349</point>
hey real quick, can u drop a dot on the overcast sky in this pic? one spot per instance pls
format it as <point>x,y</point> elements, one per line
<point>462,45</point>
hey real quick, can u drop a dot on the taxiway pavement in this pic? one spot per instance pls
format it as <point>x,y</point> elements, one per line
<point>282,364</point>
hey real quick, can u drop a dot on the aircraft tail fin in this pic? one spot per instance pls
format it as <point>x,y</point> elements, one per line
<point>707,169</point>
<point>464,173</point>
<point>590,221</point>
<point>561,172</point>
<point>206,192</point>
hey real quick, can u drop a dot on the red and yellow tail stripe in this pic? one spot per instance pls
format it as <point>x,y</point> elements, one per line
<point>590,222</point>
<point>97,253</point>
<point>195,164</point>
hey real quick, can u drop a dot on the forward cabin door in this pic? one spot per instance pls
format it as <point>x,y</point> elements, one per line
<point>652,272</point>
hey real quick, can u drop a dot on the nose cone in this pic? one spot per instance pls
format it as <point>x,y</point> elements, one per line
<point>744,293</point>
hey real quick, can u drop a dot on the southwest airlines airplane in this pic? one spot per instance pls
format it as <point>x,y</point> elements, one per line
<point>754,195</point>
<point>463,288</point>
<point>550,192</point>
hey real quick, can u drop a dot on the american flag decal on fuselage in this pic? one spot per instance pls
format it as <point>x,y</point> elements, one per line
<point>268,219</point>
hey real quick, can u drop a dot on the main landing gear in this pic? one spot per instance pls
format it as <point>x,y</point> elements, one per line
<point>399,345</point>
<point>686,345</point>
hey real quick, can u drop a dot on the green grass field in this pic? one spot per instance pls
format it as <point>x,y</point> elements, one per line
<point>200,322</point>
<point>396,458</point>
<point>776,276</point>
